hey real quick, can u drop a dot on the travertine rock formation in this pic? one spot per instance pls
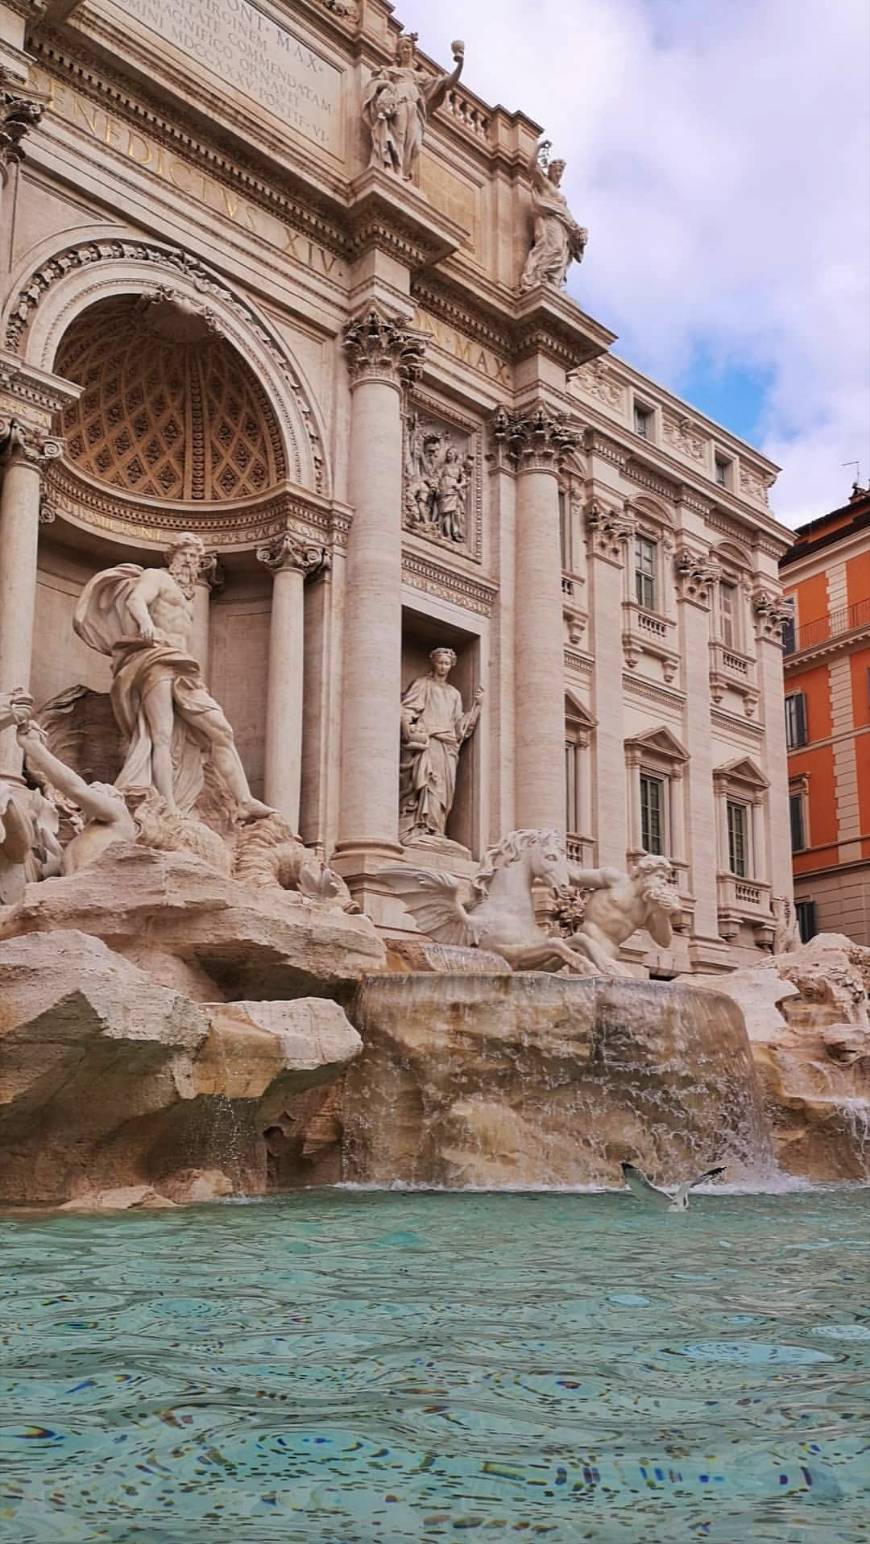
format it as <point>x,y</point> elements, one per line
<point>541,1080</point>
<point>807,1016</point>
<point>109,1081</point>
<point>201,932</point>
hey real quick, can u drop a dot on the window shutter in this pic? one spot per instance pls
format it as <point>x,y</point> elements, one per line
<point>796,814</point>
<point>801,719</point>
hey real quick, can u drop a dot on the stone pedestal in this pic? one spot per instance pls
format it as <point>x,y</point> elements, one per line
<point>289,560</point>
<point>382,353</point>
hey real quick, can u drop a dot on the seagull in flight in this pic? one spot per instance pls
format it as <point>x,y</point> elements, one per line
<point>665,1200</point>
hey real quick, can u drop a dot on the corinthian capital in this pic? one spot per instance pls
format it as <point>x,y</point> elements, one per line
<point>21,444</point>
<point>18,114</point>
<point>533,438</point>
<point>382,347</point>
<point>290,552</point>
<point>771,613</point>
<point>608,530</point>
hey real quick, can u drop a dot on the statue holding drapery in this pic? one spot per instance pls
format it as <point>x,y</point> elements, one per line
<point>434,728</point>
<point>398,102</point>
<point>557,238</point>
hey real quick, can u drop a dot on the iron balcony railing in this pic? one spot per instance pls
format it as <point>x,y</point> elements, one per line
<point>846,620</point>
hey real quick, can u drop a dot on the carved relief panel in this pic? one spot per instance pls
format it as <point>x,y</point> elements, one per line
<point>442,484</point>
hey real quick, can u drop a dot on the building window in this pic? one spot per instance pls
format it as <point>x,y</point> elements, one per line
<point>645,572</point>
<point>722,468</point>
<point>738,839</point>
<point>573,818</point>
<point>728,614</point>
<point>798,823</point>
<point>805,912</point>
<point>652,813</point>
<point>796,720</point>
<point>789,628</point>
<point>643,421</point>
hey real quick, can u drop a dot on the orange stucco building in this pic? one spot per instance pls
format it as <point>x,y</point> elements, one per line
<point>826,574</point>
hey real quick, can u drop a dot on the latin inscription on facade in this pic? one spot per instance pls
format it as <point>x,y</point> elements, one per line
<point>254,54</point>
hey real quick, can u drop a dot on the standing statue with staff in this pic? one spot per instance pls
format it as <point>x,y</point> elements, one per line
<point>557,238</point>
<point>398,102</point>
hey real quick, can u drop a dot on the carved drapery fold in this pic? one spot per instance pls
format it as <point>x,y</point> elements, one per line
<point>380,346</point>
<point>533,438</point>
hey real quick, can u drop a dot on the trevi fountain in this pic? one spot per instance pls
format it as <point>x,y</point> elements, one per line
<point>370,752</point>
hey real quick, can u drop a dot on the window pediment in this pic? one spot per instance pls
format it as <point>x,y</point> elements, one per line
<point>742,775</point>
<point>658,744</point>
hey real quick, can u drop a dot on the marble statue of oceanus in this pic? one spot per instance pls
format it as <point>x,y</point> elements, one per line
<point>501,918</point>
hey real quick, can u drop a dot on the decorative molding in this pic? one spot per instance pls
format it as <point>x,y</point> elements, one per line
<point>598,444</point>
<point>460,589</point>
<point>771,613</point>
<point>741,728</point>
<point>287,551</point>
<point>235,524</point>
<point>601,383</point>
<point>18,115</point>
<point>583,664</point>
<point>423,463</point>
<point>172,260</point>
<point>649,691</point>
<point>753,486</point>
<point>608,530</point>
<point>533,438</point>
<point>381,346</point>
<point>696,574</point>
<point>442,303</point>
<point>684,437</point>
<point>22,445</point>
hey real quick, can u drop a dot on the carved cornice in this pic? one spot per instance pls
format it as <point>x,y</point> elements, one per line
<point>534,438</point>
<point>608,530</point>
<point>696,573</point>
<point>460,589</point>
<point>22,445</point>
<point>287,552</point>
<point>236,525</point>
<point>29,393</point>
<point>450,308</point>
<point>649,691</point>
<point>306,214</point>
<point>381,346</point>
<point>173,260</point>
<point>582,664</point>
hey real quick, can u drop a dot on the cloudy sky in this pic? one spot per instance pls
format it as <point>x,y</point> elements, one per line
<point>719,152</point>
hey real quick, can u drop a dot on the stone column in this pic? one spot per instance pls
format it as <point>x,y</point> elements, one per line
<point>289,560</point>
<point>533,440</point>
<point>608,531</point>
<point>209,579</point>
<point>771,614</point>
<point>23,450</point>
<point>696,574</point>
<point>383,353</point>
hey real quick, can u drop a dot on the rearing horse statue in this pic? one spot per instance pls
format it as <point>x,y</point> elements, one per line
<point>502,919</point>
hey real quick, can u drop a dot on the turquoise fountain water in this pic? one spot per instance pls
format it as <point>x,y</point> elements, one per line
<point>354,1366</point>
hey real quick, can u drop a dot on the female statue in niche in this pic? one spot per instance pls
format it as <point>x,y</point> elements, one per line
<point>434,729</point>
<point>397,103</point>
<point>558,239</point>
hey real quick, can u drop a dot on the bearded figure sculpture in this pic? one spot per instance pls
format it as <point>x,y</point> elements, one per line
<point>618,904</point>
<point>143,619</point>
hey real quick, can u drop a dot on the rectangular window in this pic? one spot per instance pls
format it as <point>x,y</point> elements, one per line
<point>572,788</point>
<point>565,530</point>
<point>728,614</point>
<point>798,825</point>
<point>645,572</point>
<point>643,421</point>
<point>722,465</point>
<point>652,813</point>
<point>805,911</point>
<point>738,839</point>
<point>796,720</point>
<point>789,628</point>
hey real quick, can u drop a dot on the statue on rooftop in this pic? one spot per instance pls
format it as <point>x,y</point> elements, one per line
<point>557,238</point>
<point>398,101</point>
<point>434,729</point>
<point>143,618</point>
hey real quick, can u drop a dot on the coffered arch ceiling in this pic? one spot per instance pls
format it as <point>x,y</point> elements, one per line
<point>170,409</point>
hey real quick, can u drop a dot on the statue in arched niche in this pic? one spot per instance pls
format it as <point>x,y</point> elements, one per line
<point>398,102</point>
<point>435,726</point>
<point>143,618</point>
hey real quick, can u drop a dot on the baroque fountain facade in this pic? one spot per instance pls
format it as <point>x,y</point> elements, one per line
<point>390,677</point>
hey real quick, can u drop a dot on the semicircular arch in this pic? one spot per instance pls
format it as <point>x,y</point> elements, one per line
<point>50,296</point>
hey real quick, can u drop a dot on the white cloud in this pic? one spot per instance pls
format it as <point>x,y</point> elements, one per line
<point>719,151</point>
